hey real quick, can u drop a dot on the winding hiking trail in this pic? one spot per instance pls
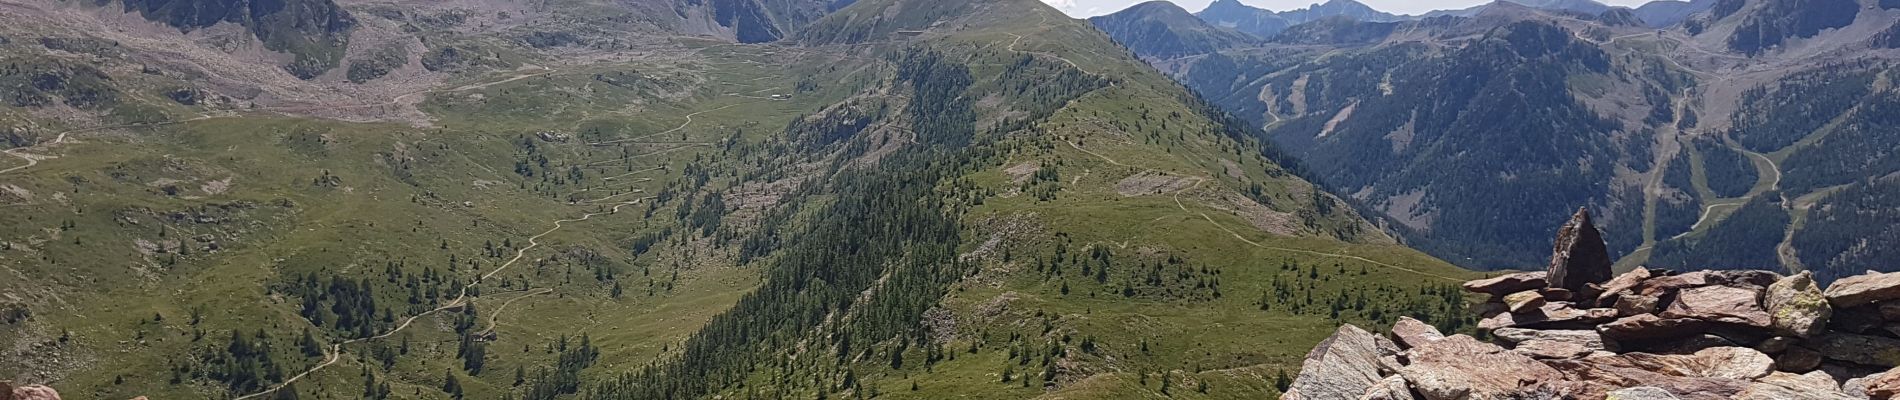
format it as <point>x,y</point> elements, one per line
<point>460,300</point>
<point>34,159</point>
<point>1045,27</point>
<point>683,125</point>
<point>1210,220</point>
<point>495,315</point>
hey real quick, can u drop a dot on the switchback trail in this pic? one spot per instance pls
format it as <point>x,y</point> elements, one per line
<point>1236,235</point>
<point>336,350</point>
<point>683,125</point>
<point>496,314</point>
<point>1210,220</point>
<point>33,159</point>
<point>1045,26</point>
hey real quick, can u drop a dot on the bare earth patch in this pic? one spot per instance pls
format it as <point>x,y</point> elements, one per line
<point>1258,215</point>
<point>1020,173</point>
<point>216,187</point>
<point>1152,183</point>
<point>10,194</point>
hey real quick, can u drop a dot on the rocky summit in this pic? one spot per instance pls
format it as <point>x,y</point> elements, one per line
<point>1643,334</point>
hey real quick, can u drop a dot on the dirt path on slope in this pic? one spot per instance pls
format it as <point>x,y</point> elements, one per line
<point>462,299</point>
<point>1210,220</point>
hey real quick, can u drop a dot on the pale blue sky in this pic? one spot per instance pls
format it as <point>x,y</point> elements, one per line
<point>1090,8</point>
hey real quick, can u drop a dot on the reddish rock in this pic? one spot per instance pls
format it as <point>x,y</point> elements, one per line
<point>1579,257</point>
<point>1507,284</point>
<point>1739,363</point>
<point>1391,388</point>
<point>1593,378</point>
<point>1548,344</point>
<point>1649,326</point>
<point>1622,284</point>
<point>1460,367</point>
<point>1524,301</point>
<point>1883,386</point>
<point>1411,333</point>
<point>1737,305</point>
<point>1787,386</point>
<point>1686,345</point>
<point>1665,284</point>
<point>1557,294</point>
<point>1342,367</point>
<point>1860,290</point>
<point>1633,304</point>
<point>1551,314</point>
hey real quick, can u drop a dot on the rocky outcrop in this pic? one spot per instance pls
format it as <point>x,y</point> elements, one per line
<point>1645,334</point>
<point>1580,257</point>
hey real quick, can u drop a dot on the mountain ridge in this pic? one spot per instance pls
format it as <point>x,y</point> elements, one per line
<point>1652,134</point>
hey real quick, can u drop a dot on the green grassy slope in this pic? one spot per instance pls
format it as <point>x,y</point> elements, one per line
<point>989,188</point>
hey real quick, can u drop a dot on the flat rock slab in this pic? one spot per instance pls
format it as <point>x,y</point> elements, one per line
<point>1650,326</point>
<point>1411,333</point>
<point>1860,290</point>
<point>1736,305</point>
<point>1664,284</point>
<point>1549,344</point>
<point>1461,367</point>
<point>1508,284</point>
<point>1739,363</point>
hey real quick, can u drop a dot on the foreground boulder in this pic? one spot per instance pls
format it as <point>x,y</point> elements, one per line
<point>1343,366</point>
<point>1797,306</point>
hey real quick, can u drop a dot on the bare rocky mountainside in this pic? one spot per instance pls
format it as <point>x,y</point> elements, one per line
<point>1723,134</point>
<point>1576,332</point>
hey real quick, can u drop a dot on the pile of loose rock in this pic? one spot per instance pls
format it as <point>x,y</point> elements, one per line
<point>1577,332</point>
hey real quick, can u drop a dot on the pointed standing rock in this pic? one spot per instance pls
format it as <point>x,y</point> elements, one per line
<point>1580,257</point>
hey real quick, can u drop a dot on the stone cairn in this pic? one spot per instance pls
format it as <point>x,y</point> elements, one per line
<point>1578,331</point>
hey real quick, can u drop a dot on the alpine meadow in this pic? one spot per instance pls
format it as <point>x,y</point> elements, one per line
<point>947,199</point>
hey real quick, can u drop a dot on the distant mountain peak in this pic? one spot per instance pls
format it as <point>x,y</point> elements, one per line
<point>1162,29</point>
